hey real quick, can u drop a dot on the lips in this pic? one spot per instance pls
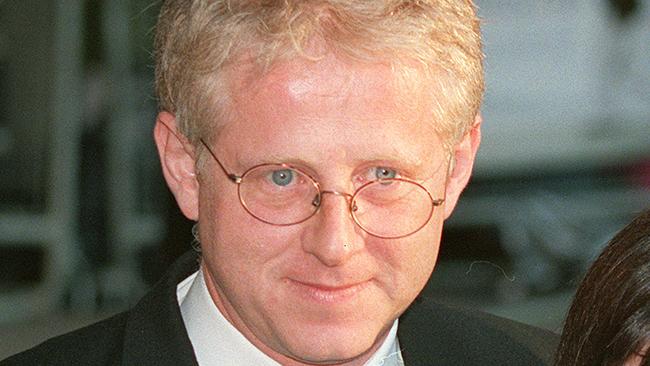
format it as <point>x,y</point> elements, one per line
<point>324,293</point>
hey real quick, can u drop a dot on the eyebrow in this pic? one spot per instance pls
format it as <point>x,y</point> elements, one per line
<point>410,163</point>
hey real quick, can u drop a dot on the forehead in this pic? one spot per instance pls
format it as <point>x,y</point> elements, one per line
<point>333,79</point>
<point>344,107</point>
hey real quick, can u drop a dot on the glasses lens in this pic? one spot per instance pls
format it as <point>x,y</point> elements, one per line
<point>392,208</point>
<point>278,194</point>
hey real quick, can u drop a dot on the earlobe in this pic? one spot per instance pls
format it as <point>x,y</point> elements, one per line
<point>178,164</point>
<point>464,154</point>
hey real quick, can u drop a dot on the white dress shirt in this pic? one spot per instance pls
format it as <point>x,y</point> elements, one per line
<point>217,342</point>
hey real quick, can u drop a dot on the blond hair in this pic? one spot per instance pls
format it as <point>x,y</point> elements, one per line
<point>196,40</point>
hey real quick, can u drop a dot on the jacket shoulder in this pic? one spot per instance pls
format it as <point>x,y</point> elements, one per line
<point>433,334</point>
<point>74,348</point>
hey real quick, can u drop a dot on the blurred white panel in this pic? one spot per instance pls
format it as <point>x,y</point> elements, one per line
<point>567,86</point>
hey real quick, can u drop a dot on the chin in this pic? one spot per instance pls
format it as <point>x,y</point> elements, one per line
<point>325,355</point>
<point>336,344</point>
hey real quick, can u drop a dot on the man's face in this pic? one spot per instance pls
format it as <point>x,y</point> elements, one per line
<point>322,290</point>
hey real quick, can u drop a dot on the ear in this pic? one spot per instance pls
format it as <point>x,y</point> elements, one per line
<point>178,164</point>
<point>464,154</point>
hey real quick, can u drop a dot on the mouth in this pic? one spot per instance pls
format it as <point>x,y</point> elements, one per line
<point>328,294</point>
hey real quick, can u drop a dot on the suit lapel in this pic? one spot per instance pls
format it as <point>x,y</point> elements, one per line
<point>431,335</point>
<point>155,334</point>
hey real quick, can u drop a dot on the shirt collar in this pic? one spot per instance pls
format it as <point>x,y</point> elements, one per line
<point>217,342</point>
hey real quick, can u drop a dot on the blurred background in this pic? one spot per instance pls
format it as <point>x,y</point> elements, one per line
<point>87,224</point>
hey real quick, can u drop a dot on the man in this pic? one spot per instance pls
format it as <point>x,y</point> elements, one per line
<point>319,145</point>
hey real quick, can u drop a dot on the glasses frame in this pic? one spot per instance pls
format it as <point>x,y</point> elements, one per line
<point>237,179</point>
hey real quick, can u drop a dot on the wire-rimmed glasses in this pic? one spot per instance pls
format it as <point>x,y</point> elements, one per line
<point>283,195</point>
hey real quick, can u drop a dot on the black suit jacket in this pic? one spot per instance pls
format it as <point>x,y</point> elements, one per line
<point>153,333</point>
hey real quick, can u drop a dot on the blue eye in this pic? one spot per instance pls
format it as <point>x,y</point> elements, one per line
<point>385,173</point>
<point>282,177</point>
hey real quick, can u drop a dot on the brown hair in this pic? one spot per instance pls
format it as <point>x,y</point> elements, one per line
<point>196,40</point>
<point>609,319</point>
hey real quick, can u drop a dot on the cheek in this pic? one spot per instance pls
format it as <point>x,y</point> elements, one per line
<point>229,233</point>
<point>409,262</point>
<point>422,260</point>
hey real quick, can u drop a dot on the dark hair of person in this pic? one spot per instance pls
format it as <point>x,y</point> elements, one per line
<point>609,320</point>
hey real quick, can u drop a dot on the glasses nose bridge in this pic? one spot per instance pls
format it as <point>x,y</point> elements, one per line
<point>348,198</point>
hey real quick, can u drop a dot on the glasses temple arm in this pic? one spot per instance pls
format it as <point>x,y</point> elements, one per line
<point>233,177</point>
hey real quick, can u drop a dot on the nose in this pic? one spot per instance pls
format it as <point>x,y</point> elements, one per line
<point>333,237</point>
